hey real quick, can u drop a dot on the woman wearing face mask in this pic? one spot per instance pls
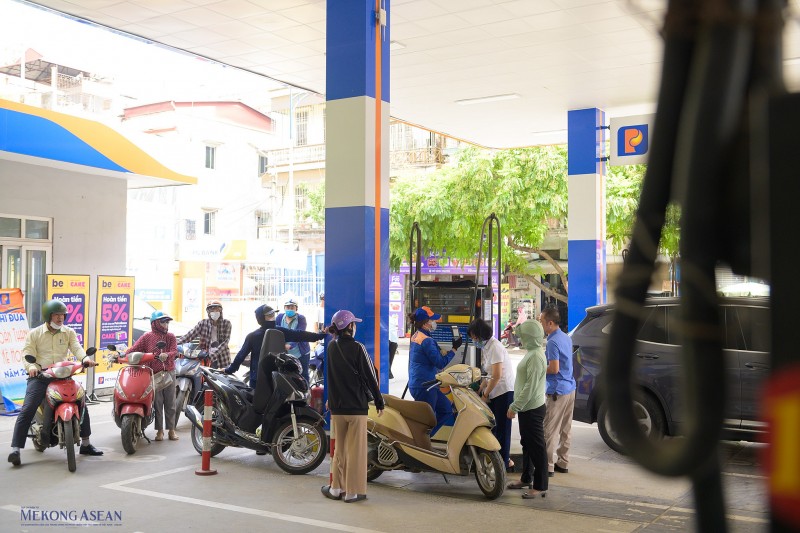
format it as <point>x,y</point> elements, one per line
<point>498,390</point>
<point>425,361</point>
<point>164,403</point>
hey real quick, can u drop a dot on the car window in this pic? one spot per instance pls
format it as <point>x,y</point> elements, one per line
<point>654,328</point>
<point>674,327</point>
<point>747,328</point>
<point>599,324</point>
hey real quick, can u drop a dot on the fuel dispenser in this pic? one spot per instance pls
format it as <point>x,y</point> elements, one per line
<point>459,302</point>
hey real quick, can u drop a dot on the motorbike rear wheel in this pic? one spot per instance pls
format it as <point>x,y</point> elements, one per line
<point>69,442</point>
<point>38,445</point>
<point>373,472</point>
<point>131,429</point>
<point>299,454</point>
<point>490,473</point>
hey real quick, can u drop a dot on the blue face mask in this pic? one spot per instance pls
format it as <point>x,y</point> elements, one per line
<point>290,313</point>
<point>480,344</point>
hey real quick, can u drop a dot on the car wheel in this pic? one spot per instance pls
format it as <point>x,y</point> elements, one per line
<point>649,417</point>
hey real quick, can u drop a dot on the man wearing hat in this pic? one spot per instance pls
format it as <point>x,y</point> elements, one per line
<point>291,319</point>
<point>425,361</point>
<point>265,316</point>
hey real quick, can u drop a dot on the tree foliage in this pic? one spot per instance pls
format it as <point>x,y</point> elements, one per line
<point>526,188</point>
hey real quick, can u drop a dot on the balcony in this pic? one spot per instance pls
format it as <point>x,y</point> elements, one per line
<point>314,153</point>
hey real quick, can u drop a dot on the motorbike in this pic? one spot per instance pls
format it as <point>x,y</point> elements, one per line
<point>316,365</point>
<point>507,337</point>
<point>400,439</point>
<point>275,417</point>
<point>188,378</point>
<point>58,419</point>
<point>134,395</point>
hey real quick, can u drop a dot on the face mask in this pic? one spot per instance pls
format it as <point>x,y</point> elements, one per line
<point>215,315</point>
<point>269,324</point>
<point>163,327</point>
<point>433,325</point>
<point>55,326</point>
<point>480,344</point>
<point>290,313</point>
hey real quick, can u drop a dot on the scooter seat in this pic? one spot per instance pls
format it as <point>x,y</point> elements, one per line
<point>420,412</point>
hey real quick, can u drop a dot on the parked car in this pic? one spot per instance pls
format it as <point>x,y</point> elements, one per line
<point>141,320</point>
<point>657,367</point>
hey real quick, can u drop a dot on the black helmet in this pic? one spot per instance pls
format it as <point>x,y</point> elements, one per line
<point>53,306</point>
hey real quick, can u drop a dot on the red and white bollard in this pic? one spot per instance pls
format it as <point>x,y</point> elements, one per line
<point>208,407</point>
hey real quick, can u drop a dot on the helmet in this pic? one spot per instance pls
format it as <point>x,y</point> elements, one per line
<point>322,296</point>
<point>290,301</point>
<point>213,303</point>
<point>159,315</point>
<point>342,318</point>
<point>53,306</point>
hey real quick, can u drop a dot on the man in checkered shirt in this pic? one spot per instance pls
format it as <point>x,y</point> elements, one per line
<point>213,329</point>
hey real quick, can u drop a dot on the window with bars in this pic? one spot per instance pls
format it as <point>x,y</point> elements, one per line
<point>263,164</point>
<point>301,128</point>
<point>189,226</point>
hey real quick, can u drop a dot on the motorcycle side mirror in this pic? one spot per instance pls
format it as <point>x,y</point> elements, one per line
<point>30,358</point>
<point>111,348</point>
<point>214,344</point>
<point>91,351</point>
<point>161,345</point>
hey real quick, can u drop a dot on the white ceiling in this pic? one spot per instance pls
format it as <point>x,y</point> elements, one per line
<point>555,54</point>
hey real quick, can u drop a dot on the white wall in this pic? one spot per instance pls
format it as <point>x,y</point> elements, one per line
<point>88,215</point>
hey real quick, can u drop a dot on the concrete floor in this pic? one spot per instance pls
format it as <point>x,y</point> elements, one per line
<point>157,490</point>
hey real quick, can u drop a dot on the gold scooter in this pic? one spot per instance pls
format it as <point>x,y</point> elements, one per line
<point>400,439</point>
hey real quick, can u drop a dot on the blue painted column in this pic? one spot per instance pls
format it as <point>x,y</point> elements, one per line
<point>586,139</point>
<point>357,172</point>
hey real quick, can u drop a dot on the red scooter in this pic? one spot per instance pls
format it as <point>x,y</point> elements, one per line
<point>57,422</point>
<point>134,394</point>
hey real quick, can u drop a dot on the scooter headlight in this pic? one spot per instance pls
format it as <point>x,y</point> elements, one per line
<point>53,394</point>
<point>62,372</point>
<point>119,391</point>
<point>463,378</point>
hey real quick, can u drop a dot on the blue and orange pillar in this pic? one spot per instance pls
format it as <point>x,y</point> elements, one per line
<point>357,171</point>
<point>586,138</point>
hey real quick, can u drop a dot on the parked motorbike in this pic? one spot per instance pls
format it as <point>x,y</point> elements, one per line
<point>188,378</point>
<point>275,417</point>
<point>316,365</point>
<point>57,421</point>
<point>507,337</point>
<point>134,394</point>
<point>400,439</point>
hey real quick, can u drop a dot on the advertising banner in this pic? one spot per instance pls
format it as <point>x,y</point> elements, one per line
<point>114,309</point>
<point>113,324</point>
<point>73,290</point>
<point>13,330</point>
<point>631,139</point>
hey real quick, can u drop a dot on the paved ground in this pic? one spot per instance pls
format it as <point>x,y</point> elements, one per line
<point>157,490</point>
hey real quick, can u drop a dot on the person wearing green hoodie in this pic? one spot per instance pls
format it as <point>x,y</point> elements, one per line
<point>529,403</point>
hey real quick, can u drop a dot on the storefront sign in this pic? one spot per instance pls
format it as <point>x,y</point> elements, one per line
<point>73,291</point>
<point>631,139</point>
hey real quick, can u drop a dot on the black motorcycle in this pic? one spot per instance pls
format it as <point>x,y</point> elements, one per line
<point>275,417</point>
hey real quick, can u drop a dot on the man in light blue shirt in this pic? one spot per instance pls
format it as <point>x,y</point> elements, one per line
<point>560,398</point>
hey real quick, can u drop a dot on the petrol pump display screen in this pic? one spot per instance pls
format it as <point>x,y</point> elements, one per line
<point>452,300</point>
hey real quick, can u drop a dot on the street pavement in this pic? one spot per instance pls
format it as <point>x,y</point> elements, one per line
<point>157,490</point>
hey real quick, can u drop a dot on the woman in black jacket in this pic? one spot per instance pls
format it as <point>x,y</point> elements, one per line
<point>351,385</point>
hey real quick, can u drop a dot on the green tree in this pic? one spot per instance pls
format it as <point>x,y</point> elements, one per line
<point>526,188</point>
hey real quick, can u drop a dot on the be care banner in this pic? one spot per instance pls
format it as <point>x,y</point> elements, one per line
<point>13,330</point>
<point>73,290</point>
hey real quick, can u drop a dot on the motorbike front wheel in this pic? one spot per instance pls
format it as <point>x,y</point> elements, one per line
<point>490,473</point>
<point>69,442</point>
<point>131,429</point>
<point>301,453</point>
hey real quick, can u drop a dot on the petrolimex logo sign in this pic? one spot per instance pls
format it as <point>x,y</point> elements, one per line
<point>630,139</point>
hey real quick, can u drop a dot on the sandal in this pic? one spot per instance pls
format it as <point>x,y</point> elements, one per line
<point>326,491</point>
